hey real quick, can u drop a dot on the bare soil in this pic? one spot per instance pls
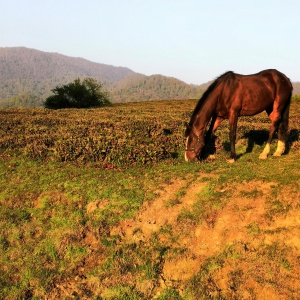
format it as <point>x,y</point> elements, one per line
<point>258,243</point>
<point>247,248</point>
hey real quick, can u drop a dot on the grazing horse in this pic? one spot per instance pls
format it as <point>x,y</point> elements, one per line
<point>233,95</point>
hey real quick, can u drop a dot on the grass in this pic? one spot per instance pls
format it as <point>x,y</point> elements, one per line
<point>46,220</point>
<point>57,221</point>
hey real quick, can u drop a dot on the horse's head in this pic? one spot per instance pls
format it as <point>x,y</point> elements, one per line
<point>194,144</point>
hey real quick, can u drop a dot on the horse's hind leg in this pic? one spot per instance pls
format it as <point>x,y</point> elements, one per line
<point>282,132</point>
<point>280,148</point>
<point>275,118</point>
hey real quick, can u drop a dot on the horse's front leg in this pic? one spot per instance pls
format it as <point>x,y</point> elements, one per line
<point>210,130</point>
<point>233,118</point>
<point>214,124</point>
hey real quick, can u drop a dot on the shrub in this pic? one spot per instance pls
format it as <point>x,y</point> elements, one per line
<point>77,94</point>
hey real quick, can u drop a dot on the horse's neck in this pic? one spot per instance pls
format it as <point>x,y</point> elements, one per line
<point>205,114</point>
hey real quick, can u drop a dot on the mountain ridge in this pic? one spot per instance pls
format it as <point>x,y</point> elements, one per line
<point>23,56</point>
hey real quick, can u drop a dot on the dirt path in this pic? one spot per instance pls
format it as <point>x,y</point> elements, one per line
<point>171,200</point>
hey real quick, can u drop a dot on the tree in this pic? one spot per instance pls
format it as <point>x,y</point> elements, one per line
<point>86,94</point>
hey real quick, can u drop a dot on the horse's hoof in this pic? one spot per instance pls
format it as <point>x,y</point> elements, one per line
<point>277,154</point>
<point>263,156</point>
<point>231,160</point>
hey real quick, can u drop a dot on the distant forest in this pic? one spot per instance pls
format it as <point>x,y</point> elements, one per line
<point>27,77</point>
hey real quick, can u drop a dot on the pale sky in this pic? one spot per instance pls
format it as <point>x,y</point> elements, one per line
<point>192,40</point>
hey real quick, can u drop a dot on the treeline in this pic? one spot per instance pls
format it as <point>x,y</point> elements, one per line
<point>23,100</point>
<point>28,100</point>
<point>12,90</point>
<point>155,87</point>
<point>133,89</point>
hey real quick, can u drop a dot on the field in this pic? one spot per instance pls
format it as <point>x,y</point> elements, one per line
<point>99,204</point>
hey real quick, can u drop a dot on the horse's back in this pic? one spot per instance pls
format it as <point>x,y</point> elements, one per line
<point>255,93</point>
<point>272,77</point>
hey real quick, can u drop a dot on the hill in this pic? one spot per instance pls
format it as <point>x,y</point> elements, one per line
<point>28,76</point>
<point>29,71</point>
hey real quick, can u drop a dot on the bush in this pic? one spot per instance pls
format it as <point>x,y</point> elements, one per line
<point>77,94</point>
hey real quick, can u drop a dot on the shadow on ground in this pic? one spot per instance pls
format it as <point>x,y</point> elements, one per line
<point>254,137</point>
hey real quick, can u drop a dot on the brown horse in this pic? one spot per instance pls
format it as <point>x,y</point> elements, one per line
<point>233,95</point>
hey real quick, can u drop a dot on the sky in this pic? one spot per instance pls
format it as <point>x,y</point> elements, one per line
<point>192,40</point>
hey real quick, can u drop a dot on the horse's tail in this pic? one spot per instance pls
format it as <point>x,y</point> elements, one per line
<point>285,112</point>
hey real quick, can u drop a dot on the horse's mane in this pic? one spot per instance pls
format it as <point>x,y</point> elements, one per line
<point>224,78</point>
